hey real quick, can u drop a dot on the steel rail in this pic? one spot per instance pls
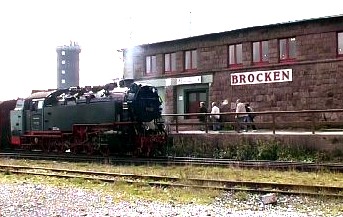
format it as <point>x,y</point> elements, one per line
<point>165,181</point>
<point>181,161</point>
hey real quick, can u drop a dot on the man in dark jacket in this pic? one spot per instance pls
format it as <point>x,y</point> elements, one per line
<point>251,117</point>
<point>202,117</point>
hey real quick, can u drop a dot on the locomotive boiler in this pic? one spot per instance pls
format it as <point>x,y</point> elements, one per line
<point>109,119</point>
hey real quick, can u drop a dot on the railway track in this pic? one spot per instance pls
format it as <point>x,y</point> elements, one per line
<point>180,161</point>
<point>168,181</point>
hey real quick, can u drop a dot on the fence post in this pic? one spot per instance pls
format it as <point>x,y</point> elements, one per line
<point>313,123</point>
<point>177,124</point>
<point>273,117</point>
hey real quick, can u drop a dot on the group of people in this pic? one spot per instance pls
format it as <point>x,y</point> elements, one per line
<point>244,120</point>
<point>215,117</point>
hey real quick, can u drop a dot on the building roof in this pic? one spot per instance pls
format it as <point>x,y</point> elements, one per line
<point>247,29</point>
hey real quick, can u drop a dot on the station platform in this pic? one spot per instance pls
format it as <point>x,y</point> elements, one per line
<point>264,132</point>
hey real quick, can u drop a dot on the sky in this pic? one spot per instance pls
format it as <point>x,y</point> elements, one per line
<point>31,31</point>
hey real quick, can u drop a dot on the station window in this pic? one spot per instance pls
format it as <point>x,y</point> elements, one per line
<point>260,52</point>
<point>63,72</point>
<point>170,62</point>
<point>287,49</point>
<point>63,53</point>
<point>63,62</point>
<point>150,62</point>
<point>340,43</point>
<point>63,81</point>
<point>191,60</point>
<point>235,55</point>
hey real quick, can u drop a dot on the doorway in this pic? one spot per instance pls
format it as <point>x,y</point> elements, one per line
<point>193,99</point>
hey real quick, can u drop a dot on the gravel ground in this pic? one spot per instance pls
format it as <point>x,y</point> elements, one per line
<point>24,199</point>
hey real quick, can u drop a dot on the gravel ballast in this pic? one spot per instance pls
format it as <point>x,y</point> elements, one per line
<point>26,199</point>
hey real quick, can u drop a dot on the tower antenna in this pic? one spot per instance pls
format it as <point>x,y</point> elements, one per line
<point>131,28</point>
<point>190,24</point>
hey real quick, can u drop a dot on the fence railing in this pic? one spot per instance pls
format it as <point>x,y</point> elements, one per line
<point>309,120</point>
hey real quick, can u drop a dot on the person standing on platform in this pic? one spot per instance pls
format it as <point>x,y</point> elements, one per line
<point>215,116</point>
<point>241,118</point>
<point>202,117</point>
<point>250,118</point>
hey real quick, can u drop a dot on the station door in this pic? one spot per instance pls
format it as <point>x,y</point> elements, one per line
<point>193,99</point>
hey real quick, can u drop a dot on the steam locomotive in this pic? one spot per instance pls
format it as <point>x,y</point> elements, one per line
<point>122,118</point>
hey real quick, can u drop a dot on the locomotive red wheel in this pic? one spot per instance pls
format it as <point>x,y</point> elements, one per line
<point>105,150</point>
<point>45,145</point>
<point>139,145</point>
<point>143,146</point>
<point>26,147</point>
<point>52,146</point>
<point>75,149</point>
<point>88,148</point>
<point>63,146</point>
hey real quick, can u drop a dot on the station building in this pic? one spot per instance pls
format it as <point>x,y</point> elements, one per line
<point>279,67</point>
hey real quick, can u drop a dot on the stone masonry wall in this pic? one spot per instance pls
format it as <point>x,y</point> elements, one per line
<point>317,71</point>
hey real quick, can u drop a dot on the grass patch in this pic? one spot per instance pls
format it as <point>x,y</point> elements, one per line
<point>227,173</point>
<point>121,191</point>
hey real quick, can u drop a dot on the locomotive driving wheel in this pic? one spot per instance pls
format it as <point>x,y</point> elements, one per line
<point>63,146</point>
<point>52,146</point>
<point>143,146</point>
<point>76,147</point>
<point>105,149</point>
<point>88,148</point>
<point>46,145</point>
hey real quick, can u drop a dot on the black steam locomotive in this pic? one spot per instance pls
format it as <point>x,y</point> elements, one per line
<point>109,119</point>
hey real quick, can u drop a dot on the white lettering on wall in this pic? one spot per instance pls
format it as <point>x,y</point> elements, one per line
<point>261,77</point>
<point>168,82</point>
<point>189,80</point>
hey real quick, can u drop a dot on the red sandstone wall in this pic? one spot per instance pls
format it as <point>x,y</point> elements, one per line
<point>317,72</point>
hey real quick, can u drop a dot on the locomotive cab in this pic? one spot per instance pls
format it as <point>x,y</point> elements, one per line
<point>36,117</point>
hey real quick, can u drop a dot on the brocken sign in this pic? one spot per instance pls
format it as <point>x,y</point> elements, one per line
<point>261,77</point>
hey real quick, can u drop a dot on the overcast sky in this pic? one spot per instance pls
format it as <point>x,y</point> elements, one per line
<point>32,29</point>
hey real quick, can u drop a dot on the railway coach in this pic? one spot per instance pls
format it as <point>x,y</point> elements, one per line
<point>5,108</point>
